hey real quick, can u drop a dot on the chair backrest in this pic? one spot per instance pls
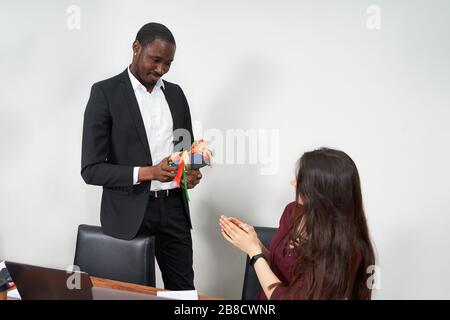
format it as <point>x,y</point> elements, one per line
<point>103,256</point>
<point>251,284</point>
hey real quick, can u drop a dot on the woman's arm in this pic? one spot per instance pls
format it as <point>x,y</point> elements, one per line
<point>265,251</point>
<point>267,279</point>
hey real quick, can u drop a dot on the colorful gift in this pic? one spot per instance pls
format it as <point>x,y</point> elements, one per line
<point>197,157</point>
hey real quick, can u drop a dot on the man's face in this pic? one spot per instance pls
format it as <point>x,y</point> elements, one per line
<point>152,61</point>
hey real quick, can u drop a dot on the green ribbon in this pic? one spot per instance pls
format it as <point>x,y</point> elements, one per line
<point>185,183</point>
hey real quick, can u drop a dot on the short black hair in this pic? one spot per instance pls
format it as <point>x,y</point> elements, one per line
<point>152,31</point>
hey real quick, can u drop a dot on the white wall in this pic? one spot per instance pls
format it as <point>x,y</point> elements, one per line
<point>310,69</point>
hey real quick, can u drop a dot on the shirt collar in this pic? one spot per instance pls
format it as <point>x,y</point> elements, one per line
<point>136,84</point>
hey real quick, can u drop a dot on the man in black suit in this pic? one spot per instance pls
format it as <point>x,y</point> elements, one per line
<point>132,123</point>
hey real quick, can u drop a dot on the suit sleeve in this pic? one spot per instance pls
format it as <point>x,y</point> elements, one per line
<point>95,168</point>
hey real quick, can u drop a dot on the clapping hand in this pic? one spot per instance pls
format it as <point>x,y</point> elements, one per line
<point>240,235</point>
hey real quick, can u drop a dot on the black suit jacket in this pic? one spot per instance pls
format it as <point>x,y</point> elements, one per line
<point>114,142</point>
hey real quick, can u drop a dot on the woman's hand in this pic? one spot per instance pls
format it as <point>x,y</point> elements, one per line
<point>241,235</point>
<point>244,237</point>
<point>247,228</point>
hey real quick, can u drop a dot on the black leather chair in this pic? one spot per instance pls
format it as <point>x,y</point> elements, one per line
<point>123,260</point>
<point>251,284</point>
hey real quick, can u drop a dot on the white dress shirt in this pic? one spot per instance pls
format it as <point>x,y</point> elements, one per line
<point>158,125</point>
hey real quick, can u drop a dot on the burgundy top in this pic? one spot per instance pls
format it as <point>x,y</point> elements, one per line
<point>283,258</point>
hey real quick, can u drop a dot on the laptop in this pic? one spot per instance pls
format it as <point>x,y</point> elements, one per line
<point>40,283</point>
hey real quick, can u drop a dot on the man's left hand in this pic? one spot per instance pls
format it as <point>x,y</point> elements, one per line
<point>193,178</point>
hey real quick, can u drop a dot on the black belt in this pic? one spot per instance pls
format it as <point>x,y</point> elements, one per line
<point>164,193</point>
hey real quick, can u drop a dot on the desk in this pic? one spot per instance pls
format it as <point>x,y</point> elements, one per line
<point>125,286</point>
<point>106,283</point>
<point>112,284</point>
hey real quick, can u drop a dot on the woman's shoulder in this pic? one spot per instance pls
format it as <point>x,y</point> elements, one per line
<point>288,210</point>
<point>290,206</point>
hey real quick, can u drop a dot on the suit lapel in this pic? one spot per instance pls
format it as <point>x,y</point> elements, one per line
<point>170,101</point>
<point>130,97</point>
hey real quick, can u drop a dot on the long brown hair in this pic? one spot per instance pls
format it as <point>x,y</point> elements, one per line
<point>329,230</point>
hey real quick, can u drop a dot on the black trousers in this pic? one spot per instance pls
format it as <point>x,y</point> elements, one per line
<point>165,218</point>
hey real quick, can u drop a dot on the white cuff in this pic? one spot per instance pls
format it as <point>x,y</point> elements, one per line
<point>136,175</point>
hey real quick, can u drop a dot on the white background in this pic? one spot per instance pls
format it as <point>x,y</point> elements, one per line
<point>311,69</point>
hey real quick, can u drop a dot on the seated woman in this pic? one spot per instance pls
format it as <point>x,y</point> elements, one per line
<point>322,248</point>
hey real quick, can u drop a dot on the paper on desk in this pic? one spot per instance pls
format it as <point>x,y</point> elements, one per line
<point>14,294</point>
<point>179,295</point>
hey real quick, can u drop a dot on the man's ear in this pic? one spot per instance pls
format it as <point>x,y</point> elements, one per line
<point>136,47</point>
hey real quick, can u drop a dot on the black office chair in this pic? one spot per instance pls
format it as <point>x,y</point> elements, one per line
<point>251,284</point>
<point>123,260</point>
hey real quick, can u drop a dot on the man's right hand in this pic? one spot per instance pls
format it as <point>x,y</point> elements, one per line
<point>161,172</point>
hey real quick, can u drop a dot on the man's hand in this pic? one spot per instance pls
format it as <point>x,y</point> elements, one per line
<point>193,178</point>
<point>161,172</point>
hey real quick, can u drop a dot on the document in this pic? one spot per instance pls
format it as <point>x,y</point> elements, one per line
<point>179,295</point>
<point>14,294</point>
